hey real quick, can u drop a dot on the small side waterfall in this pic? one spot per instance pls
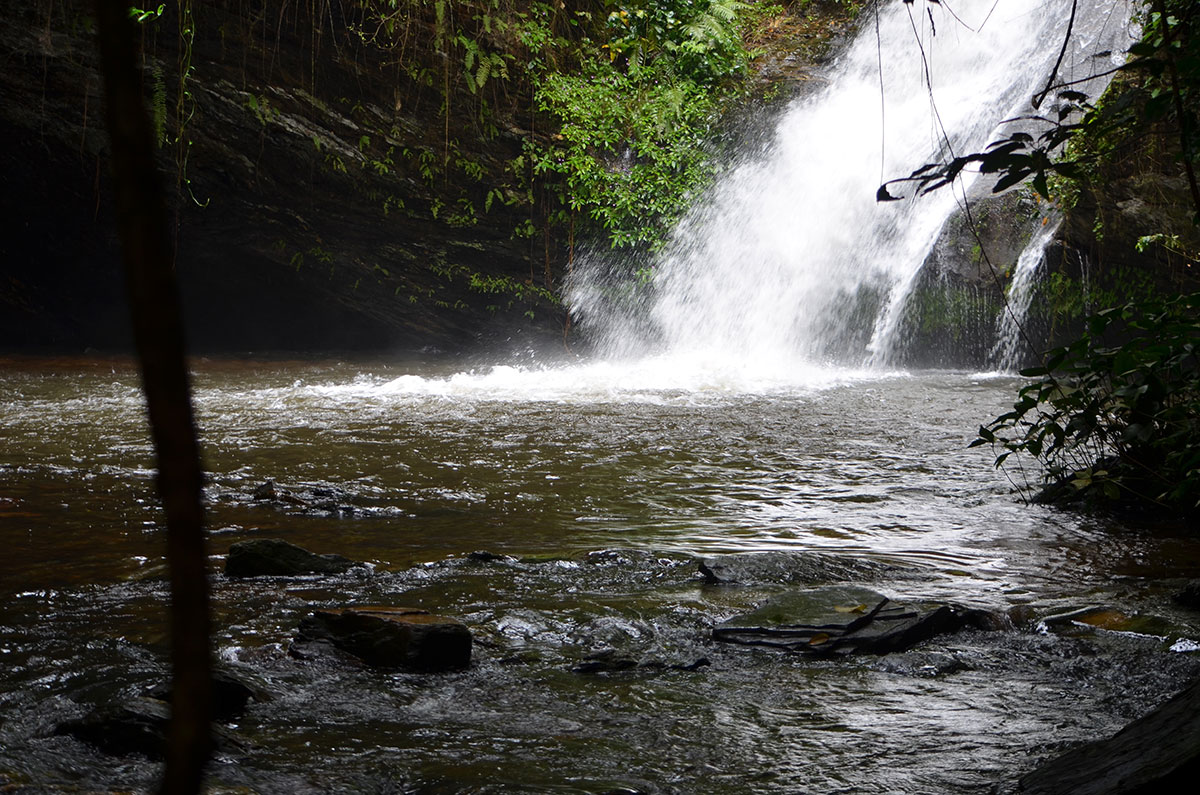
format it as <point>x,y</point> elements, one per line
<point>790,261</point>
<point>1007,352</point>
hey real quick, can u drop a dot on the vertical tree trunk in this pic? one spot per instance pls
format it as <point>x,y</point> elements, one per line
<point>158,336</point>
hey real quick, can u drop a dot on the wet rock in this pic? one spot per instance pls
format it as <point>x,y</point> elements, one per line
<point>1158,753</point>
<point>483,556</point>
<point>788,567</point>
<point>267,557</point>
<point>321,651</point>
<point>392,637</point>
<point>606,661</point>
<point>930,664</point>
<point>266,491</point>
<point>1023,616</point>
<point>1110,619</point>
<point>232,693</point>
<point>1189,595</point>
<point>848,619</point>
<point>137,727</point>
<point>986,620</point>
<point>610,661</point>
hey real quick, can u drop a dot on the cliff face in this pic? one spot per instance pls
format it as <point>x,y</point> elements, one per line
<point>325,202</point>
<point>345,175</point>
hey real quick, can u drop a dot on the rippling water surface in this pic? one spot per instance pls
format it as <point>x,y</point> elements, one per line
<point>595,486</point>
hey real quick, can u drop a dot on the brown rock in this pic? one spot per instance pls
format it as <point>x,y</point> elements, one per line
<point>393,637</point>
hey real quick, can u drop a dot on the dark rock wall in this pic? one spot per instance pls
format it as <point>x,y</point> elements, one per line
<point>330,202</point>
<point>1093,262</point>
<point>301,223</point>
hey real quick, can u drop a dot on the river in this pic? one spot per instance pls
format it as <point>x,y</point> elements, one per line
<point>594,486</point>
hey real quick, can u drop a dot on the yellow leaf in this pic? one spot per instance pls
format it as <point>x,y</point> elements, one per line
<point>850,609</point>
<point>818,639</point>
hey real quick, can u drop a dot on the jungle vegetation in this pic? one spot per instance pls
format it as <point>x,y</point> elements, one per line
<point>1113,417</point>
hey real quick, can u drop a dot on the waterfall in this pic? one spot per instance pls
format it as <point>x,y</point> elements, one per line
<point>789,261</point>
<point>1007,352</point>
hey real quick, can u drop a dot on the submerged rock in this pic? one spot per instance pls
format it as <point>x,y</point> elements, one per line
<point>232,693</point>
<point>265,491</point>
<point>267,557</point>
<point>787,567</point>
<point>928,664</point>
<point>1109,619</point>
<point>1158,753</point>
<point>392,637</point>
<point>1189,595</point>
<point>847,619</point>
<point>317,501</point>
<point>611,661</point>
<point>136,727</point>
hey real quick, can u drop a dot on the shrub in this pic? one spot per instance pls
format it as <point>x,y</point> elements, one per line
<point>1115,415</point>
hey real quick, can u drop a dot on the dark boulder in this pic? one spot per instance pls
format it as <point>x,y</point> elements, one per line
<point>232,693</point>
<point>392,637</point>
<point>788,567</point>
<point>267,557</point>
<point>1189,595</point>
<point>266,491</point>
<point>136,727</point>
<point>848,619</point>
<point>1158,753</point>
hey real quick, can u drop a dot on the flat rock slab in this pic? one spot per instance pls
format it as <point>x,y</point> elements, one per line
<point>393,637</point>
<point>787,567</point>
<point>847,619</point>
<point>1089,620</point>
<point>274,557</point>
<point>1158,753</point>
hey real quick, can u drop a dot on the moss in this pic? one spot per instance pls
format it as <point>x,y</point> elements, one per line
<point>948,322</point>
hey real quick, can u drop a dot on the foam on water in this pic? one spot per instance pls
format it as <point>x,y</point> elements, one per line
<point>654,379</point>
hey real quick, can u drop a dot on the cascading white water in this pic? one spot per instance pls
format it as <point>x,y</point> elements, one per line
<point>1007,352</point>
<point>790,260</point>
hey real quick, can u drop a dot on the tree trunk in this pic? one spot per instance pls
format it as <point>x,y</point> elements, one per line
<point>158,336</point>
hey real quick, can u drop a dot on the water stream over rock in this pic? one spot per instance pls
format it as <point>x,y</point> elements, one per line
<point>790,259</point>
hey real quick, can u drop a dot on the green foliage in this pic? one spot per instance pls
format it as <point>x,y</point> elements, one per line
<point>266,113</point>
<point>697,40</point>
<point>144,15</point>
<point>1169,51</point>
<point>1068,299</point>
<point>1115,415</point>
<point>624,94</point>
<point>630,151</point>
<point>634,115</point>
